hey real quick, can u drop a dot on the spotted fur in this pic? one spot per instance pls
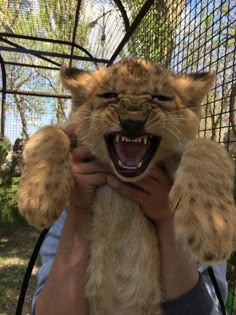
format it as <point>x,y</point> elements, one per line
<point>124,268</point>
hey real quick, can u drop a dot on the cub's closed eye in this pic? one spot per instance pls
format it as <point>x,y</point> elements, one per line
<point>162,98</point>
<point>108,95</point>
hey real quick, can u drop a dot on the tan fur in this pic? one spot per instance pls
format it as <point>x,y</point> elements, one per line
<point>124,268</point>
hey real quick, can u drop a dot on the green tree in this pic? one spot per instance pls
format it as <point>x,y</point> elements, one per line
<point>5,147</point>
<point>7,201</point>
<point>155,36</point>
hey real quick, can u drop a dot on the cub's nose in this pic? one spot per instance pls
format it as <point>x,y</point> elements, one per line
<point>133,128</point>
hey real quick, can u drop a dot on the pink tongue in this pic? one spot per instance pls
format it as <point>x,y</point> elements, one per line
<point>130,153</point>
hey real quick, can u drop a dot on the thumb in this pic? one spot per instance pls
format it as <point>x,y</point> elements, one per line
<point>69,130</point>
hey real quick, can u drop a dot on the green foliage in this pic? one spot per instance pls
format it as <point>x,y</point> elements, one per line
<point>231,302</point>
<point>234,189</point>
<point>231,272</point>
<point>155,36</point>
<point>8,183</point>
<point>5,147</point>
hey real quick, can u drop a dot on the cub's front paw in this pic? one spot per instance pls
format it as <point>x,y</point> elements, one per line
<point>202,200</point>
<point>46,180</point>
<point>202,224</point>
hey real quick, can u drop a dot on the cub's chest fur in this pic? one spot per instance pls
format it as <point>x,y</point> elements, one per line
<point>133,116</point>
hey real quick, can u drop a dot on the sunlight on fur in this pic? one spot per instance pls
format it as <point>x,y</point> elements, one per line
<point>132,115</point>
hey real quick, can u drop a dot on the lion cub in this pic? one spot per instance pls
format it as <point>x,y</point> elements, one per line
<point>133,115</point>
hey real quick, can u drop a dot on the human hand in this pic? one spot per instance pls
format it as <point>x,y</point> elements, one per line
<point>87,175</point>
<point>151,193</point>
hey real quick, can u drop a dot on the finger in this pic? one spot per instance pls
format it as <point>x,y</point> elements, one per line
<point>69,130</point>
<point>152,182</point>
<point>148,184</point>
<point>106,167</point>
<point>159,173</point>
<point>80,154</point>
<point>87,168</point>
<point>126,190</point>
<point>91,180</point>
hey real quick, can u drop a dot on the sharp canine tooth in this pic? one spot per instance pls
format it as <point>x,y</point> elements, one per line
<point>139,164</point>
<point>145,140</point>
<point>120,163</point>
<point>117,138</point>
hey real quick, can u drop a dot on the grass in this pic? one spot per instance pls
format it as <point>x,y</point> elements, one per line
<point>16,245</point>
<point>231,276</point>
<point>231,302</point>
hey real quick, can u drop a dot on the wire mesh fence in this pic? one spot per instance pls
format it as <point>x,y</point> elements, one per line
<point>186,36</point>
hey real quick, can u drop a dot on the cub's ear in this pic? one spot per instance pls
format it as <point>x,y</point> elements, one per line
<point>194,87</point>
<point>73,78</point>
<point>79,82</point>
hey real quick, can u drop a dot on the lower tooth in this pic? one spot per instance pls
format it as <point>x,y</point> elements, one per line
<point>129,167</point>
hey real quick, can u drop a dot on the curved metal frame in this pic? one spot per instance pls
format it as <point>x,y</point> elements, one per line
<point>71,43</point>
<point>45,55</point>
<point>123,14</point>
<point>4,91</point>
<point>62,42</point>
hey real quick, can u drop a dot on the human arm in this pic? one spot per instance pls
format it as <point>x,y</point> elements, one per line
<point>63,291</point>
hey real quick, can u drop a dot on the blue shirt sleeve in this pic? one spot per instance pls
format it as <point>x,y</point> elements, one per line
<point>204,290</point>
<point>220,275</point>
<point>47,253</point>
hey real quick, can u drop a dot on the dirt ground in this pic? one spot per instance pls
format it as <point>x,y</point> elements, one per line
<point>16,246</point>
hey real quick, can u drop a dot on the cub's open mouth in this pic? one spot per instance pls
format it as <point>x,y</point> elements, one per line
<point>131,155</point>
